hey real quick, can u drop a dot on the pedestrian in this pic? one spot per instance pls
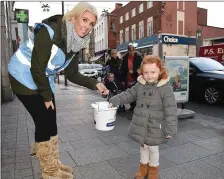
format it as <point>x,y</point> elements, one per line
<point>155,115</point>
<point>114,64</point>
<point>130,64</point>
<point>54,46</point>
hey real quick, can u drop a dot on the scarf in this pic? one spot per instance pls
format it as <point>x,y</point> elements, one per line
<point>74,42</point>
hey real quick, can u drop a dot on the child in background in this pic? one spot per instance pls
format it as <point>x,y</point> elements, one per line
<point>155,115</point>
<point>114,88</point>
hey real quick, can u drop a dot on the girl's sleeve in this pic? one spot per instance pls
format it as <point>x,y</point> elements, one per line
<point>130,95</point>
<point>170,110</point>
<point>40,56</point>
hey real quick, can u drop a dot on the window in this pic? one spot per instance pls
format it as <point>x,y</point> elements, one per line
<point>102,44</point>
<point>141,29</point>
<point>127,34</point>
<point>121,36</point>
<point>102,27</point>
<point>149,4</point>
<point>140,8</point>
<point>121,19</point>
<point>133,32</point>
<point>150,26</point>
<point>133,12</point>
<point>127,16</point>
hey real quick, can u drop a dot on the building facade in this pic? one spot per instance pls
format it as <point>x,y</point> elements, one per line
<point>6,48</point>
<point>163,27</point>
<point>101,38</point>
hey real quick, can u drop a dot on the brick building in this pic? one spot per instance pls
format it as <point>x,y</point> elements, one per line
<point>143,23</point>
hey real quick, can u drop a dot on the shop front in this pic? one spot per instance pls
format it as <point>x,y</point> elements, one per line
<point>174,45</point>
<point>144,46</point>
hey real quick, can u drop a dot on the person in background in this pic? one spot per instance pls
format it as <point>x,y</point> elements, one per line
<point>114,64</point>
<point>54,45</point>
<point>114,88</point>
<point>155,115</point>
<point>130,64</point>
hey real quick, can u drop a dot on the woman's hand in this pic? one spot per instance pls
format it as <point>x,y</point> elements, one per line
<point>102,89</point>
<point>48,104</point>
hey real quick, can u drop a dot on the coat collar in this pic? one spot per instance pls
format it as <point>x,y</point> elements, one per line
<point>159,84</point>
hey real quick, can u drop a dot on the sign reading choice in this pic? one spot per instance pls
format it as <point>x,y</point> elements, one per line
<point>172,39</point>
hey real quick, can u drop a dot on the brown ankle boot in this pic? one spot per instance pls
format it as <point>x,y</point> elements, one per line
<point>153,173</point>
<point>48,164</point>
<point>54,141</point>
<point>142,172</point>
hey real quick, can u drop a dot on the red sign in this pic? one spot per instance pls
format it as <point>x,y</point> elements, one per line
<point>215,52</point>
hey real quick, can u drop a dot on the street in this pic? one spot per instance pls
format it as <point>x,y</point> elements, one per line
<point>197,151</point>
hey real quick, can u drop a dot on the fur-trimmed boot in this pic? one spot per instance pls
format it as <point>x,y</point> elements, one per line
<point>142,172</point>
<point>48,164</point>
<point>153,173</point>
<point>54,141</point>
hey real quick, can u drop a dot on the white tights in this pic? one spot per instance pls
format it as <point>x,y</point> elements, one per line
<point>149,154</point>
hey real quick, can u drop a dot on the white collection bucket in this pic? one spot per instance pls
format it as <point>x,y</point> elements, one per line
<point>104,116</point>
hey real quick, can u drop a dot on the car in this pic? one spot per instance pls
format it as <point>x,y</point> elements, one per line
<point>87,70</point>
<point>206,80</point>
<point>98,67</point>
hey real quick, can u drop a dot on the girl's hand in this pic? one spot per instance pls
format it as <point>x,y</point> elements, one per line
<point>168,137</point>
<point>111,105</point>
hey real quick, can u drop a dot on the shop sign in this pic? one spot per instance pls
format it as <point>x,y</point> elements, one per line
<point>172,39</point>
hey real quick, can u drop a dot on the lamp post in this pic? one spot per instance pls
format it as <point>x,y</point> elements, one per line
<point>198,41</point>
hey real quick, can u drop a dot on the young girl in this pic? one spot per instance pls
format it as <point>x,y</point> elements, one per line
<point>155,115</point>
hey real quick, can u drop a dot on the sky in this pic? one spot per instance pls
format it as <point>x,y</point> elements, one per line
<point>215,10</point>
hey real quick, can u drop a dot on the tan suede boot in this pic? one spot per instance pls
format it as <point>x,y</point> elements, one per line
<point>153,173</point>
<point>142,172</point>
<point>54,141</point>
<point>48,164</point>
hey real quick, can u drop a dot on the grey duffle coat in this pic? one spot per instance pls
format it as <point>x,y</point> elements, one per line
<point>155,114</point>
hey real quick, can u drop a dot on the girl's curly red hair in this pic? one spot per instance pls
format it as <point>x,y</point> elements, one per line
<point>149,59</point>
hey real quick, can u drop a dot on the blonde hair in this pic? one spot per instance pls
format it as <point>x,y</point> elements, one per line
<point>79,9</point>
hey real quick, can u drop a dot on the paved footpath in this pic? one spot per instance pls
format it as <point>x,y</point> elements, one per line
<point>197,151</point>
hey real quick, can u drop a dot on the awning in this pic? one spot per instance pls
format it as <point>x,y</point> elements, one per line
<point>96,58</point>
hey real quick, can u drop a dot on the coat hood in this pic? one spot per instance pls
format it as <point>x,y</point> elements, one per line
<point>159,84</point>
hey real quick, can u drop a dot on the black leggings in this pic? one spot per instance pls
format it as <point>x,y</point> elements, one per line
<point>44,119</point>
